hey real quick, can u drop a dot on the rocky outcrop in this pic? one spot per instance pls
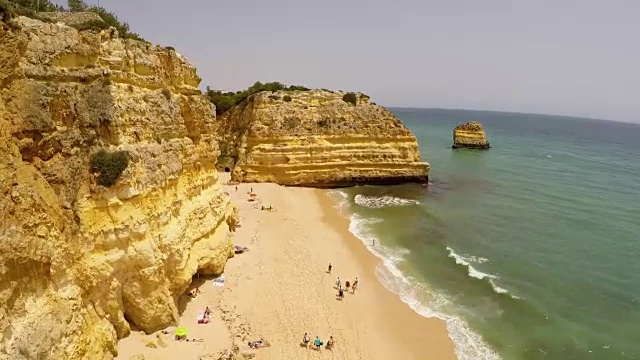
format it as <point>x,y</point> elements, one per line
<point>470,135</point>
<point>315,138</point>
<point>80,263</point>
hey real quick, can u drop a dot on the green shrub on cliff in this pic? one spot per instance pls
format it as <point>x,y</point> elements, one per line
<point>287,98</point>
<point>12,8</point>
<point>350,98</point>
<point>226,100</point>
<point>45,5</point>
<point>95,25</point>
<point>109,166</point>
<point>30,8</point>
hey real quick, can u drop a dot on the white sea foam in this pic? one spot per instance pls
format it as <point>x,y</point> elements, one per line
<point>468,345</point>
<point>376,202</point>
<point>341,198</point>
<point>467,260</point>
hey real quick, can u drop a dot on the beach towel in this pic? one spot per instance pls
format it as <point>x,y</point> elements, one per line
<point>219,281</point>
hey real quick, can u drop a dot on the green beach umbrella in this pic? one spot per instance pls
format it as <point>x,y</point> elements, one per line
<point>181,331</point>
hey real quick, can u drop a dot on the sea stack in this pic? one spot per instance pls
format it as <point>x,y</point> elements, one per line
<point>318,138</point>
<point>470,135</point>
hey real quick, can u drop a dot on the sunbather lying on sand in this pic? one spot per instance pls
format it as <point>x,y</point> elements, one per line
<point>258,344</point>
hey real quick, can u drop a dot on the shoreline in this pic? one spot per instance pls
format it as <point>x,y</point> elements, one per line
<point>438,342</point>
<point>280,289</point>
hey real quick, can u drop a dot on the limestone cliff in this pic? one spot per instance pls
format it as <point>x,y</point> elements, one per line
<point>314,138</point>
<point>470,135</point>
<point>80,263</point>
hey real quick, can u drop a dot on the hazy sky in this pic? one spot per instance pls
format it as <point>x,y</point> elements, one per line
<point>567,57</point>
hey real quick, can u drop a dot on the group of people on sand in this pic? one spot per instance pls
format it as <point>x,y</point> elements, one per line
<point>317,343</point>
<point>347,285</point>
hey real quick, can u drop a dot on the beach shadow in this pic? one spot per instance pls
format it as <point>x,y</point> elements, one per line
<point>196,282</point>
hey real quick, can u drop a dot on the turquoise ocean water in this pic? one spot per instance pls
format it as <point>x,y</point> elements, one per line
<point>530,250</point>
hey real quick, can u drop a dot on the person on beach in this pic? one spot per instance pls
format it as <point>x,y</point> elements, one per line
<point>258,344</point>
<point>236,187</point>
<point>340,294</point>
<point>347,284</point>
<point>338,283</point>
<point>329,271</point>
<point>317,343</point>
<point>355,285</point>
<point>330,343</point>
<point>193,293</point>
<point>306,339</point>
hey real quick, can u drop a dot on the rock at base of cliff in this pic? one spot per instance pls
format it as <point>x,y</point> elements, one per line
<point>470,135</point>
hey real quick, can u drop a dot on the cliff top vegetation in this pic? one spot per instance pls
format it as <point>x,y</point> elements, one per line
<point>31,8</point>
<point>226,100</point>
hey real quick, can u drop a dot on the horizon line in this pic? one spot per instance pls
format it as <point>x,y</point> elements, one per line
<point>513,112</point>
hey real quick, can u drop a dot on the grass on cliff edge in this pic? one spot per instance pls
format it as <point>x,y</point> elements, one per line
<point>109,166</point>
<point>30,8</point>
<point>226,100</point>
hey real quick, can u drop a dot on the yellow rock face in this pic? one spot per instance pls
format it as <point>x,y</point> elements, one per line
<point>470,135</point>
<point>80,263</point>
<point>317,139</point>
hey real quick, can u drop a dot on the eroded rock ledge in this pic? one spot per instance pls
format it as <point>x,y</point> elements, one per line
<point>314,138</point>
<point>470,135</point>
<point>80,263</point>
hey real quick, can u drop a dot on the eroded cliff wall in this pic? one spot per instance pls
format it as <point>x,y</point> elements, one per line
<point>315,138</point>
<point>80,263</point>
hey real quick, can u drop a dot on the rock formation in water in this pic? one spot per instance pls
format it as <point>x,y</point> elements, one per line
<point>470,135</point>
<point>315,138</point>
<point>81,263</point>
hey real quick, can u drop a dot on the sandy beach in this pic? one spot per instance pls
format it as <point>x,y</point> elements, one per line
<point>280,289</point>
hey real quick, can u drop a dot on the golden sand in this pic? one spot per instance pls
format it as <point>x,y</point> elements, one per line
<point>280,289</point>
